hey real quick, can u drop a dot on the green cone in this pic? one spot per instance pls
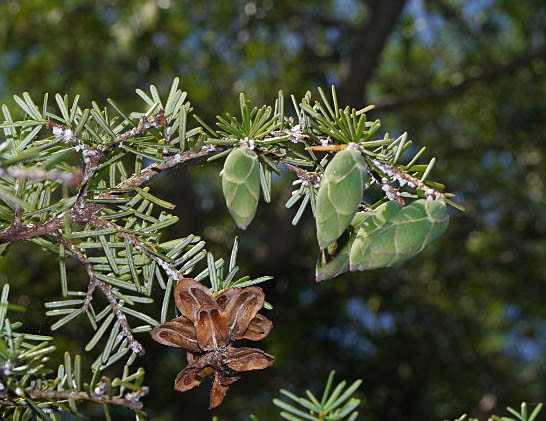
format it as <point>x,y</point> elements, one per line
<point>339,195</point>
<point>334,259</point>
<point>395,234</point>
<point>241,185</point>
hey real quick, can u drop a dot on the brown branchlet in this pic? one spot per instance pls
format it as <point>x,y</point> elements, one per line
<point>207,329</point>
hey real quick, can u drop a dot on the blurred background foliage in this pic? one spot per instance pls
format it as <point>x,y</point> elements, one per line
<point>460,328</point>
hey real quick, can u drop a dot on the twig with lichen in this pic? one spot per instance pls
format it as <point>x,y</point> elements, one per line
<point>106,290</point>
<point>131,400</point>
<point>403,178</point>
<point>70,178</point>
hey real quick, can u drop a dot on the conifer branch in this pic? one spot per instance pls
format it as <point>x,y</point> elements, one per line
<point>130,400</point>
<point>403,178</point>
<point>106,289</point>
<point>170,162</point>
<point>138,244</point>
<point>70,178</point>
<point>310,177</point>
<point>17,231</point>
<point>144,124</point>
<point>112,226</point>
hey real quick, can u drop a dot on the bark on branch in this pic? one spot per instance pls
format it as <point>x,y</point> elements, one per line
<point>70,178</point>
<point>130,400</point>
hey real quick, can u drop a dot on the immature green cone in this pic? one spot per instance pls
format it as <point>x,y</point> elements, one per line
<point>241,185</point>
<point>334,259</point>
<point>339,195</point>
<point>395,234</point>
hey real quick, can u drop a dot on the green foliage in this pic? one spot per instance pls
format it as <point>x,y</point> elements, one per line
<point>521,415</point>
<point>222,278</point>
<point>29,388</point>
<point>336,403</point>
<point>344,125</point>
<point>339,403</point>
<point>100,216</point>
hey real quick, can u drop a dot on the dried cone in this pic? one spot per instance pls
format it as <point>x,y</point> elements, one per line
<point>208,327</point>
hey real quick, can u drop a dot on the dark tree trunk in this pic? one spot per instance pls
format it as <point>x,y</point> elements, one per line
<point>368,44</point>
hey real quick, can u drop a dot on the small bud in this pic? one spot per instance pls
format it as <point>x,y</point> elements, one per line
<point>326,142</point>
<point>100,388</point>
<point>136,347</point>
<point>7,368</point>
